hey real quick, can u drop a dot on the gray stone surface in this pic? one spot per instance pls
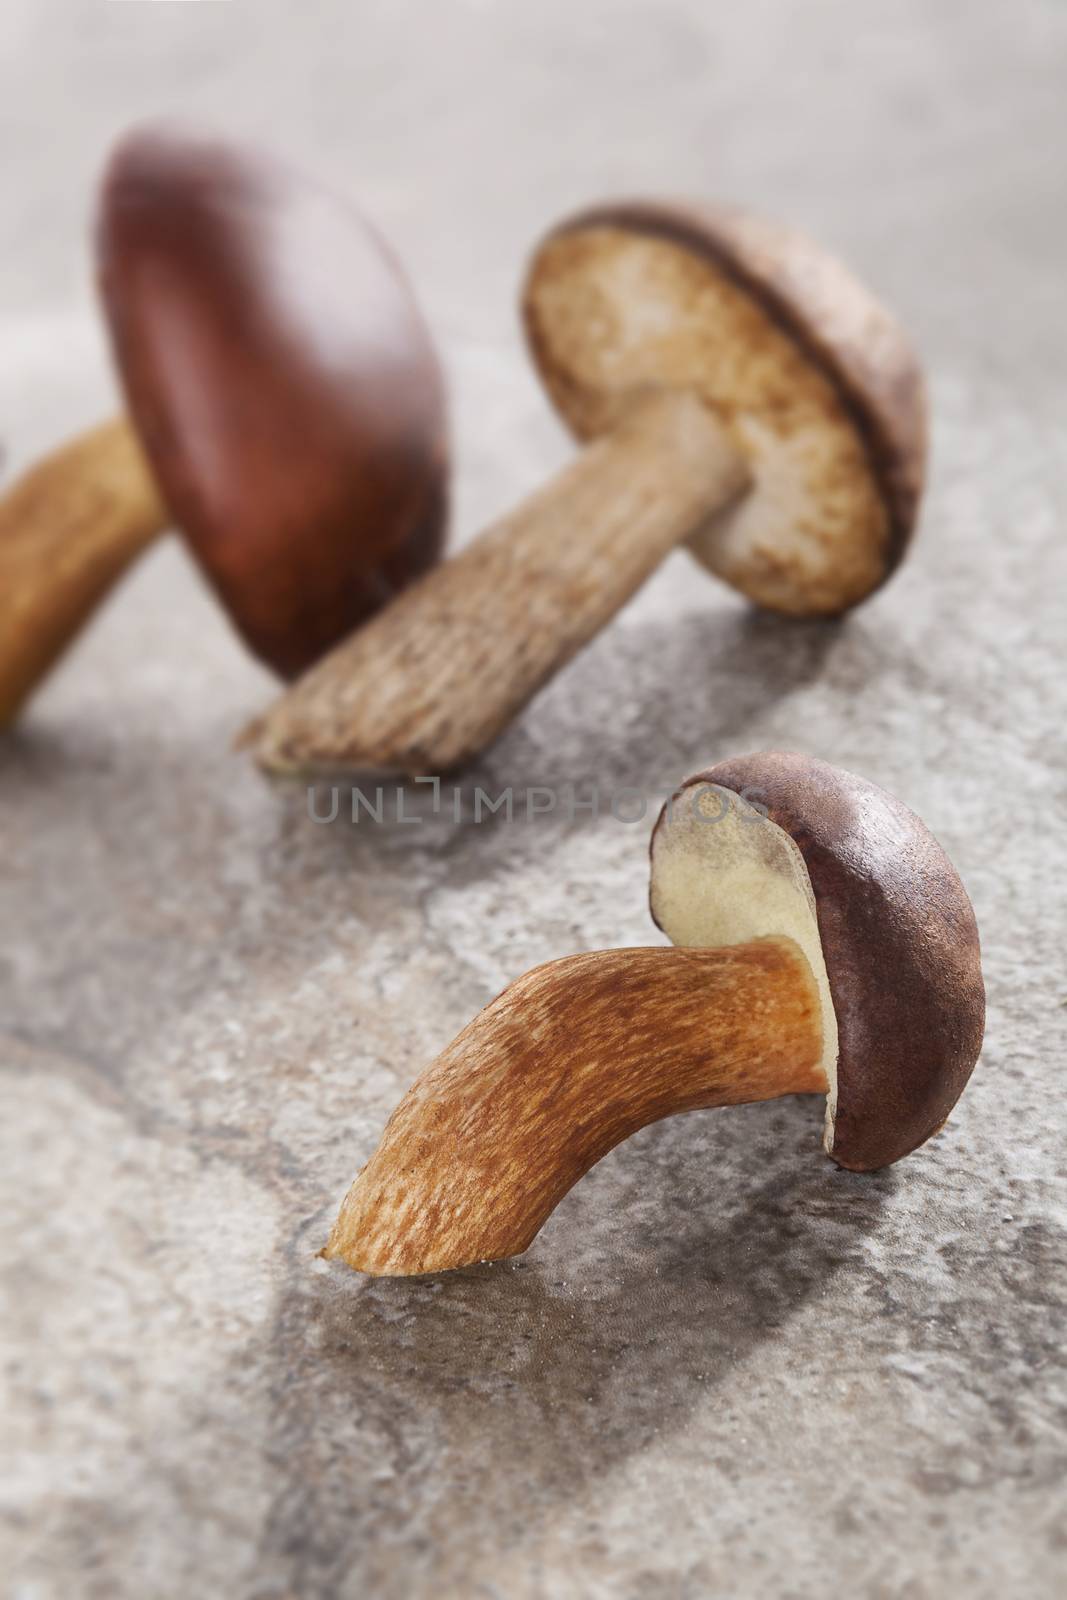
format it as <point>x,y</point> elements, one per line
<point>725,1367</point>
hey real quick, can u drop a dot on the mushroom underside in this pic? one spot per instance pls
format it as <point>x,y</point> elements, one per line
<point>611,311</point>
<point>724,874</point>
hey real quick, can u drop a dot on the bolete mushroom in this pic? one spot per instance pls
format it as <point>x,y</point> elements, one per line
<point>286,411</point>
<point>823,944</point>
<point>741,390</point>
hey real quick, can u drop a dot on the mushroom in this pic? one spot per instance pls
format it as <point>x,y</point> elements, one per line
<point>740,389</point>
<point>823,944</point>
<point>286,411</point>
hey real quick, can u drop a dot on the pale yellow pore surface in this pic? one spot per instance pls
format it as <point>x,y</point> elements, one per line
<point>723,874</point>
<point>612,310</point>
<point>69,528</point>
<point>571,1059</point>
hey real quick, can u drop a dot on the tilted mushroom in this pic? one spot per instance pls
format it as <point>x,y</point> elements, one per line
<point>824,944</point>
<point>286,411</point>
<point>742,391</point>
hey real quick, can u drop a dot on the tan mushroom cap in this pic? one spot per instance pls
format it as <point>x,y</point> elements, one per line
<point>817,384</point>
<point>282,382</point>
<point>897,939</point>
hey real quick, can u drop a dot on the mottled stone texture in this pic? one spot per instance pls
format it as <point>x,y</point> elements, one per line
<point>725,1367</point>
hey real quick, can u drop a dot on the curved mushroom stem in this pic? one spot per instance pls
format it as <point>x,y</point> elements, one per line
<point>570,1060</point>
<point>439,673</point>
<point>69,528</point>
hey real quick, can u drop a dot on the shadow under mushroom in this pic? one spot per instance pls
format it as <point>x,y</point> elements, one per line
<point>650,1288</point>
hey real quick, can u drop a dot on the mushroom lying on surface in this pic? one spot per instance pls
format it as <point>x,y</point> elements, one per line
<point>824,944</point>
<point>743,392</point>
<point>286,411</point>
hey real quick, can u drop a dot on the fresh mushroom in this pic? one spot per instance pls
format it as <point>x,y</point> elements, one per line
<point>286,411</point>
<point>824,944</point>
<point>741,390</point>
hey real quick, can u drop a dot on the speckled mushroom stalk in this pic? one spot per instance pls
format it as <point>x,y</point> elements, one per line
<point>823,944</point>
<point>570,1060</point>
<point>736,388</point>
<point>285,412</point>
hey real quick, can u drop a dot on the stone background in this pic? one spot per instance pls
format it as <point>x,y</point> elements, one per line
<point>725,1368</point>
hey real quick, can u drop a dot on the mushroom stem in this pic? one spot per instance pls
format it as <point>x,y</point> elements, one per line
<point>440,672</point>
<point>69,528</point>
<point>570,1060</point>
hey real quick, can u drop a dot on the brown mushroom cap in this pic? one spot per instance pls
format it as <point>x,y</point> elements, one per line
<point>818,385</point>
<point>283,384</point>
<point>899,942</point>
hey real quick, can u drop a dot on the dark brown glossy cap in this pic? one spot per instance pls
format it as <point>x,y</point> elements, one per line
<point>900,944</point>
<point>818,382</point>
<point>283,384</point>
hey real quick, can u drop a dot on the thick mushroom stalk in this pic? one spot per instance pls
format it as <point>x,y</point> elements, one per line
<point>570,1060</point>
<point>69,528</point>
<point>751,400</point>
<point>440,673</point>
